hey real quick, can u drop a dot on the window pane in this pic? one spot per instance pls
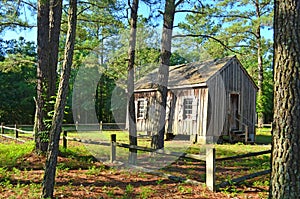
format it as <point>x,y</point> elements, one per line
<point>188,107</point>
<point>141,108</point>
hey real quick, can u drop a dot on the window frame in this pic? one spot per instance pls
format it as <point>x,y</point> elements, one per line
<point>188,108</point>
<point>141,108</point>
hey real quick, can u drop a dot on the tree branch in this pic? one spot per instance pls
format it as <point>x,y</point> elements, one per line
<point>209,37</point>
<point>253,33</point>
<point>191,11</point>
<point>232,16</point>
<point>81,11</point>
<point>178,3</point>
<point>30,4</point>
<point>129,4</point>
<point>16,24</point>
<point>92,4</point>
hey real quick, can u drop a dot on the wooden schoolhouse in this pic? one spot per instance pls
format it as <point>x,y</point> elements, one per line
<point>209,101</point>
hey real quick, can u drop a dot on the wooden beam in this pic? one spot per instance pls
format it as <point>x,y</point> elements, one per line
<point>210,169</point>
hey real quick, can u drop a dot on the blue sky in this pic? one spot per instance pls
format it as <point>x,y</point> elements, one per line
<point>31,34</point>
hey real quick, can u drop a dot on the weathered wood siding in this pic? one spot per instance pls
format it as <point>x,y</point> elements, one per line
<point>148,122</point>
<point>182,125</point>
<point>216,108</point>
<point>235,80</point>
<point>175,121</point>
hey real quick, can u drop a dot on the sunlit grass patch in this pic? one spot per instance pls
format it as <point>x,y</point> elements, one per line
<point>263,136</point>
<point>10,153</point>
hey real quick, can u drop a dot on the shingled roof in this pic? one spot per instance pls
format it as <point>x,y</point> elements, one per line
<point>184,75</point>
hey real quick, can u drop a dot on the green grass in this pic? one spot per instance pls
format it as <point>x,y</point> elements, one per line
<point>10,153</point>
<point>227,150</point>
<point>263,136</point>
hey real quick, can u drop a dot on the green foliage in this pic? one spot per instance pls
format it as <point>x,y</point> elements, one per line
<point>146,52</point>
<point>129,190</point>
<point>183,189</point>
<point>12,15</point>
<point>17,81</point>
<point>43,136</point>
<point>94,171</point>
<point>146,192</point>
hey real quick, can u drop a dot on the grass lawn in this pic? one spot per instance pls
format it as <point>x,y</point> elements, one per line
<point>263,136</point>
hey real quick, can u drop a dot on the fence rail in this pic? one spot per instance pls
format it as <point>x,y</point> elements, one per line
<point>16,132</point>
<point>82,126</point>
<point>244,155</point>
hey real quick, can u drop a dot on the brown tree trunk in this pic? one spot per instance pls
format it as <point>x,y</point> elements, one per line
<point>50,170</point>
<point>43,64</point>
<point>49,22</point>
<point>285,177</point>
<point>54,32</point>
<point>130,84</point>
<point>260,81</point>
<point>260,69</point>
<point>163,73</point>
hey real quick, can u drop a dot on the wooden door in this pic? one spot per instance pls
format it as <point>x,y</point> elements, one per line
<point>234,111</point>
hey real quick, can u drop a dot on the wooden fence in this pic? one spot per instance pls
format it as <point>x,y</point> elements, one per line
<point>209,158</point>
<point>214,187</point>
<point>15,130</point>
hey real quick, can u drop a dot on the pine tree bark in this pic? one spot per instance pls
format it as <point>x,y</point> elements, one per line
<point>260,69</point>
<point>54,33</point>
<point>50,170</point>
<point>130,84</point>
<point>163,73</point>
<point>285,176</point>
<point>43,63</point>
<point>49,22</point>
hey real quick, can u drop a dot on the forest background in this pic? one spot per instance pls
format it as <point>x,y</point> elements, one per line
<point>209,30</point>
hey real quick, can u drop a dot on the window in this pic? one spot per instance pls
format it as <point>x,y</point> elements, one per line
<point>141,108</point>
<point>187,108</point>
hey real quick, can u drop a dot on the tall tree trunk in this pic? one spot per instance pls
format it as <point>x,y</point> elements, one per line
<point>260,68</point>
<point>49,176</point>
<point>54,33</point>
<point>43,64</point>
<point>49,22</point>
<point>285,176</point>
<point>130,84</point>
<point>163,73</point>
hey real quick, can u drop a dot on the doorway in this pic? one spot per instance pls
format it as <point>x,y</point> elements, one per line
<point>234,110</point>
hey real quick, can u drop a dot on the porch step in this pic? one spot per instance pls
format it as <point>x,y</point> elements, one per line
<point>239,136</point>
<point>238,132</point>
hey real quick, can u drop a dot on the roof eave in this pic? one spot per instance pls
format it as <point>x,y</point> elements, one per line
<point>173,87</point>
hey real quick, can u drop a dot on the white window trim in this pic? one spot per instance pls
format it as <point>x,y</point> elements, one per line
<point>193,115</point>
<point>144,113</point>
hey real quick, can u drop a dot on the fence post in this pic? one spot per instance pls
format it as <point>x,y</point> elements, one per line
<point>246,134</point>
<point>113,138</point>
<point>100,126</point>
<point>210,168</point>
<point>76,125</point>
<point>65,134</point>
<point>2,127</point>
<point>16,131</point>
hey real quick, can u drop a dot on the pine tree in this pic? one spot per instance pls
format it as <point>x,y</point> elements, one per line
<point>52,152</point>
<point>285,176</point>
